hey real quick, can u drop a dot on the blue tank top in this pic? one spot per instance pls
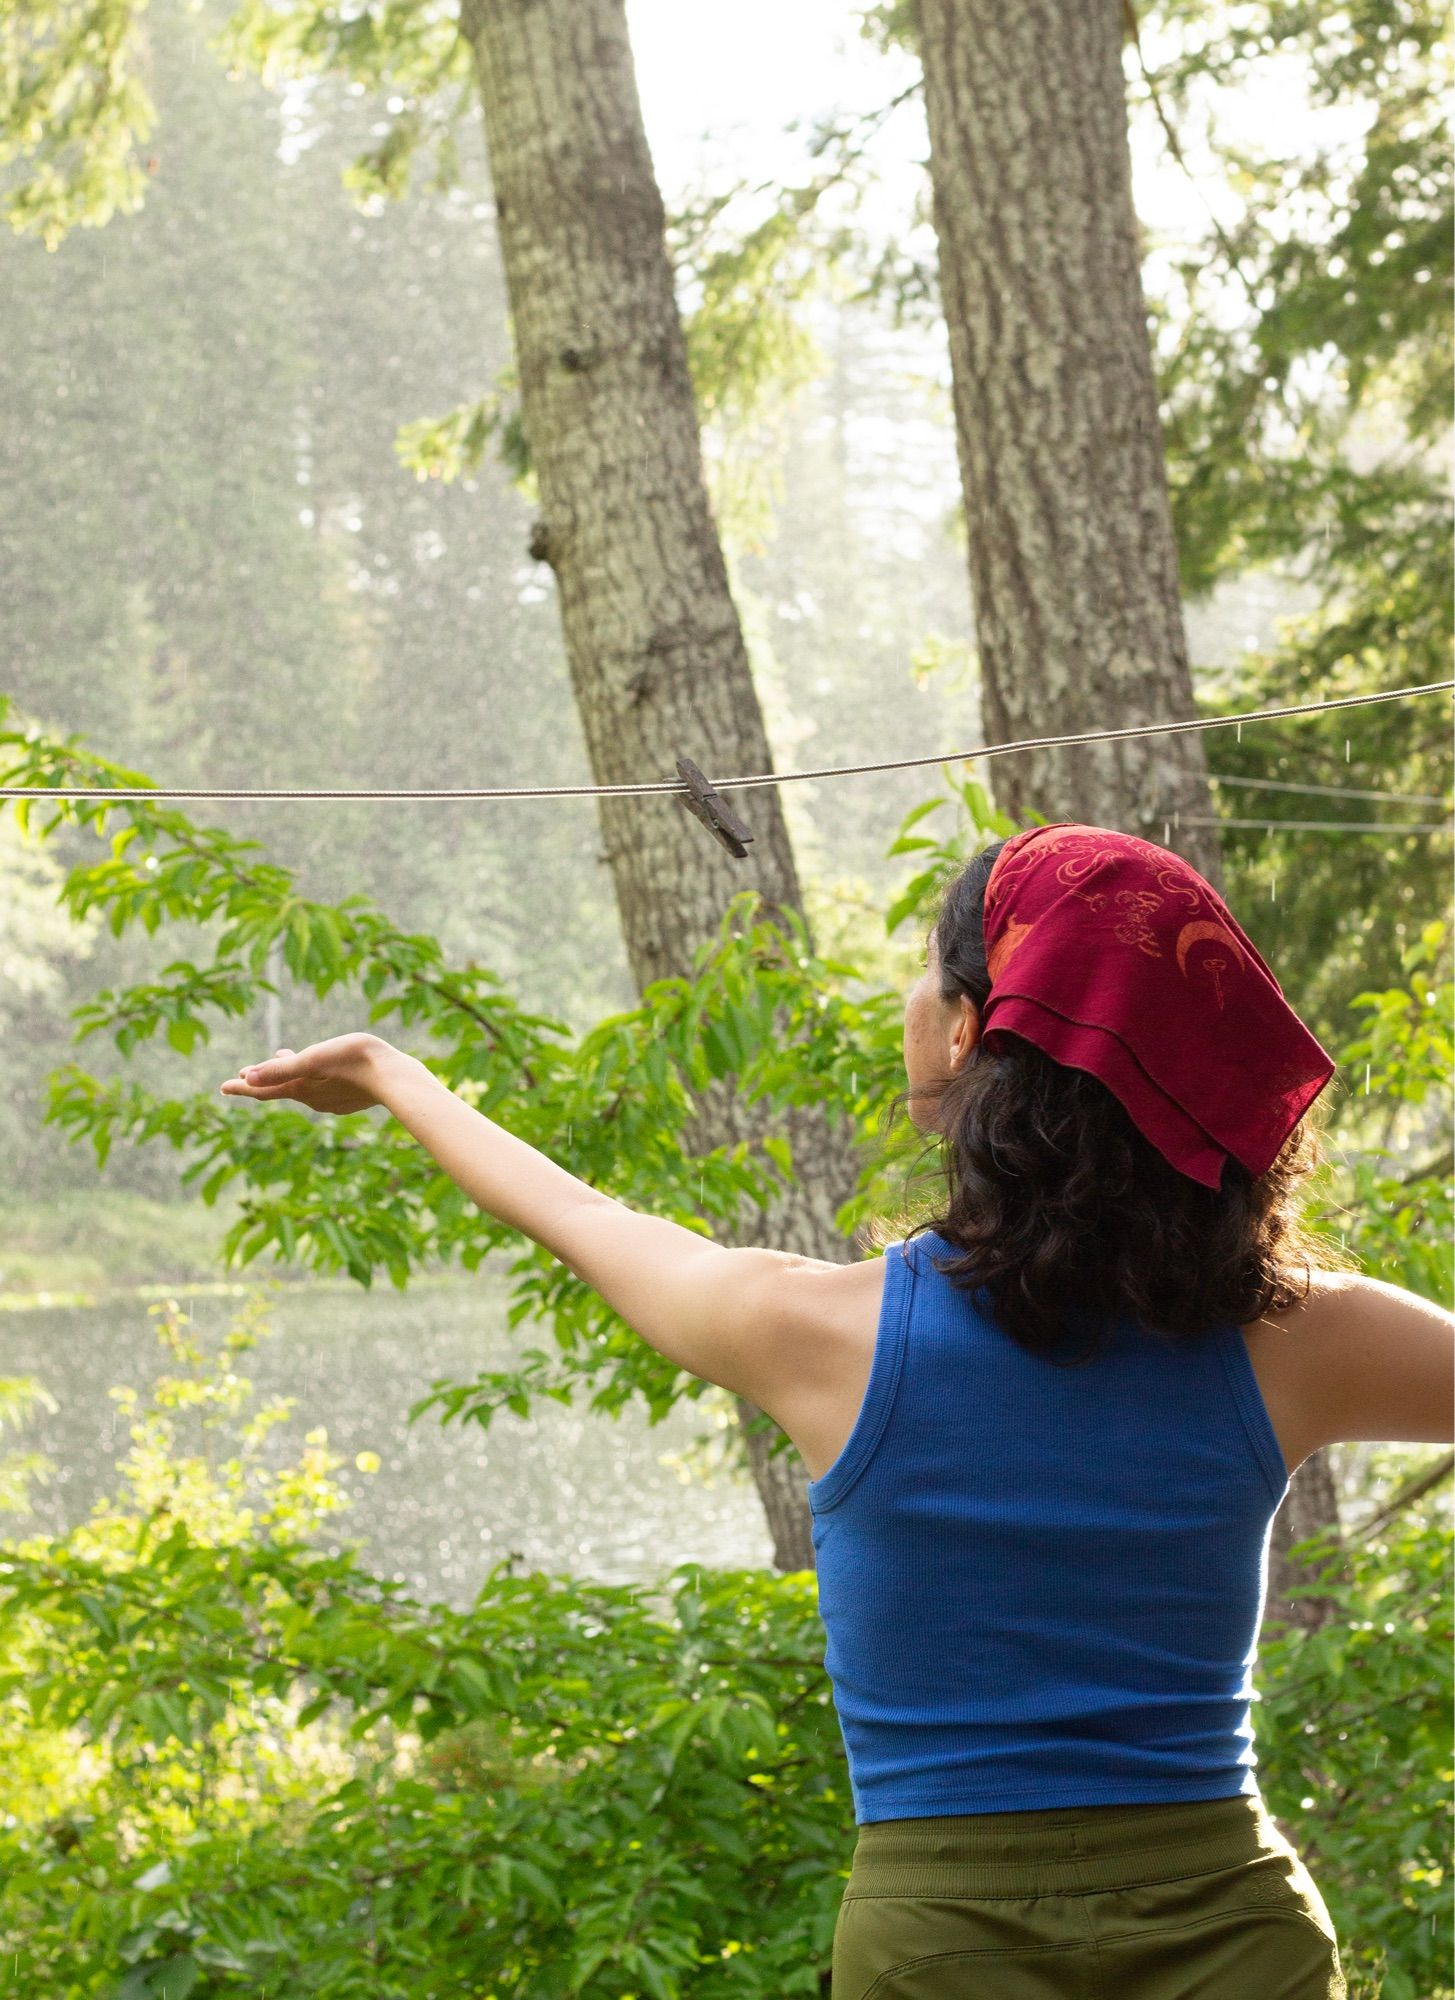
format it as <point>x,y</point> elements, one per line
<point>1042,1585</point>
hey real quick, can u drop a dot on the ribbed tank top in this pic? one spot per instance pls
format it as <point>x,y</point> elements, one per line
<point>1041,1585</point>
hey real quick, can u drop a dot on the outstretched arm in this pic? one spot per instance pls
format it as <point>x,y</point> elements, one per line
<point>1375,1361</point>
<point>729,1316</point>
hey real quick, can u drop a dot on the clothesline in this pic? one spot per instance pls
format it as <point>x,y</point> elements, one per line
<point>666,787</point>
<point>1321,825</point>
<point>1326,791</point>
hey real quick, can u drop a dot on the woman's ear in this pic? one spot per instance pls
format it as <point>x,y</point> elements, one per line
<point>966,1033</point>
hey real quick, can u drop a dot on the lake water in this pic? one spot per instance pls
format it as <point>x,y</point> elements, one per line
<point>566,1489</point>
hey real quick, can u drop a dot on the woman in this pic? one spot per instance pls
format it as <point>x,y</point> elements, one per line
<point>1046,1436</point>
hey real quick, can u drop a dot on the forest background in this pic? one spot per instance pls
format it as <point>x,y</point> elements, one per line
<point>267,519</point>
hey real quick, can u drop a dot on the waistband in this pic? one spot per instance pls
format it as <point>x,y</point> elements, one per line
<point>1060,1850</point>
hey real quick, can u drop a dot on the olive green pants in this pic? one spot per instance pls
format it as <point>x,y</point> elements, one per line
<point>1199,1901</point>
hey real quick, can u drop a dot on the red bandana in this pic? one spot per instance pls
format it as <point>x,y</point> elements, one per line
<point>1114,956</point>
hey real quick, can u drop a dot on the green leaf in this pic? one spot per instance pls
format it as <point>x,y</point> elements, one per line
<point>721,1057</point>
<point>182,1033</point>
<point>473,1682</point>
<point>174,1979</point>
<point>914,893</point>
<point>919,812</point>
<point>99,1616</point>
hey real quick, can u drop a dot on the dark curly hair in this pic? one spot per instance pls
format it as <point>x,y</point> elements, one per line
<point>1067,1217</point>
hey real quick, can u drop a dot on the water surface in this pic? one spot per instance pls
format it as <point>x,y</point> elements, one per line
<point>566,1489</point>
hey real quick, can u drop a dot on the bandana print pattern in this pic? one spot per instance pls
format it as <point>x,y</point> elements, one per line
<point>1114,956</point>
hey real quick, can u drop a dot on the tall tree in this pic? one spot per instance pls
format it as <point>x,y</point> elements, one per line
<point>1073,566</point>
<point>1073,562</point>
<point>656,649</point>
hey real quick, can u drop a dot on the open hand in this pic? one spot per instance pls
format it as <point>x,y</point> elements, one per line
<point>338,1075</point>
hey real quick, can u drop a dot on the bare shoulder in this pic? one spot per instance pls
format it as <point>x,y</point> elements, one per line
<point>824,1321</point>
<point>830,1309</point>
<point>1358,1358</point>
<point>813,1320</point>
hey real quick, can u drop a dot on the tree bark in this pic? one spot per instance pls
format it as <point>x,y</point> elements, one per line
<point>1073,567</point>
<point>1073,564</point>
<point>1312,1504</point>
<point>657,659</point>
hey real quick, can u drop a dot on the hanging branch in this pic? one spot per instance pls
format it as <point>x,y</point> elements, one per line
<point>1414,1489</point>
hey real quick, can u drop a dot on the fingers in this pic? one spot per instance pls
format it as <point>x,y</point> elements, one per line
<point>237,1086</point>
<point>280,1064</point>
<point>263,1079</point>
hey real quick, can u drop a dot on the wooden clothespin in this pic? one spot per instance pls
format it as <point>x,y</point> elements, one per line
<point>714,812</point>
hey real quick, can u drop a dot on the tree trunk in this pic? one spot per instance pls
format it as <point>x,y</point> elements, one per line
<point>1312,1504</point>
<point>1073,565</point>
<point>657,659</point>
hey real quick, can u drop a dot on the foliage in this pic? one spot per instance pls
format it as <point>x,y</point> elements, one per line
<point>19,1396</point>
<point>1341,260</point>
<point>35,932</point>
<point>1399,1219</point>
<point>74,106</point>
<point>232,1762</point>
<point>1350,904</point>
<point>1354,1750</point>
<point>1409,1044</point>
<point>415,54</point>
<point>612,1105</point>
<point>451,446</point>
<point>749,259</point>
<point>1304,351</point>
